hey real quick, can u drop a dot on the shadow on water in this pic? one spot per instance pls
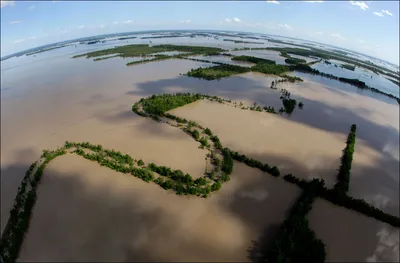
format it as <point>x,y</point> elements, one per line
<point>101,223</point>
<point>100,226</point>
<point>266,216</point>
<point>259,247</point>
<point>315,114</point>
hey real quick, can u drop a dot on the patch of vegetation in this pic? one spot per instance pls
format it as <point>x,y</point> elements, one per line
<point>274,69</point>
<point>295,61</point>
<point>159,104</point>
<point>227,162</point>
<point>217,72</point>
<point>156,58</point>
<point>138,50</point>
<point>253,59</point>
<point>125,38</point>
<point>289,104</point>
<point>349,67</point>
<point>343,177</point>
<point>104,58</point>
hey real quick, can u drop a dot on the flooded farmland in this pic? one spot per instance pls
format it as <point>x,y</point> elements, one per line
<point>55,98</point>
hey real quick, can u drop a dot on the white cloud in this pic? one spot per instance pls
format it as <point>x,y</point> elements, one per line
<point>361,4</point>
<point>286,26</point>
<point>273,2</point>
<point>32,38</point>
<point>235,20</point>
<point>387,12</point>
<point>319,33</point>
<point>116,22</point>
<point>378,14</point>
<point>313,1</point>
<point>81,26</point>
<point>18,41</point>
<point>185,21</point>
<point>102,26</point>
<point>128,22</point>
<point>31,7</point>
<point>6,3</point>
<point>15,22</point>
<point>337,35</point>
<point>361,41</point>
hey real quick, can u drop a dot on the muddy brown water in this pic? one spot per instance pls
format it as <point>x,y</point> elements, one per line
<point>46,102</point>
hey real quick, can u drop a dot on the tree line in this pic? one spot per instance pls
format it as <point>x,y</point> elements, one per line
<point>295,241</point>
<point>343,177</point>
<point>355,82</point>
<point>339,198</point>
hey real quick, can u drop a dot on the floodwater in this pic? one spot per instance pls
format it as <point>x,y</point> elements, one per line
<point>86,212</point>
<point>49,98</point>
<point>377,81</point>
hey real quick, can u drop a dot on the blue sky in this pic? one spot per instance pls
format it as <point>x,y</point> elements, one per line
<point>370,27</point>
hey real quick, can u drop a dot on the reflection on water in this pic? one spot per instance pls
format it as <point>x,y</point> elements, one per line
<point>45,93</point>
<point>377,81</point>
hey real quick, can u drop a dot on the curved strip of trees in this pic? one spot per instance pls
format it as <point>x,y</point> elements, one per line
<point>294,232</point>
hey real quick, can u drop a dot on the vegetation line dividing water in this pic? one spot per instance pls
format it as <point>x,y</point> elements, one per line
<point>156,107</point>
<point>343,177</point>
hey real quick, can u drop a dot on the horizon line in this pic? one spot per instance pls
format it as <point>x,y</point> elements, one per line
<point>207,30</point>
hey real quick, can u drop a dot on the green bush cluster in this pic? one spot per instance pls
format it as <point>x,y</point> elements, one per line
<point>274,69</point>
<point>217,72</point>
<point>343,177</point>
<point>159,104</point>
<point>227,162</point>
<point>289,104</point>
<point>179,182</point>
<point>296,242</point>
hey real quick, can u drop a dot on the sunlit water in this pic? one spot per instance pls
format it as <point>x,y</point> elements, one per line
<point>369,77</point>
<point>45,95</point>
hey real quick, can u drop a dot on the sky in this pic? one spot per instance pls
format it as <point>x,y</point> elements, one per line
<point>369,27</point>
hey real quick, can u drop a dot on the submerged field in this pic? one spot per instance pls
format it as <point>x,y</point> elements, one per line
<point>144,218</point>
